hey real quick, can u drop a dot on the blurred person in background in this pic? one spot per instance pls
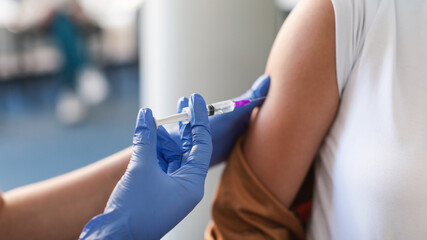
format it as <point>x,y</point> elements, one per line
<point>83,84</point>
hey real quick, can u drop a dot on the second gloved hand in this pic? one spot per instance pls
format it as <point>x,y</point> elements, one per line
<point>226,128</point>
<point>151,198</point>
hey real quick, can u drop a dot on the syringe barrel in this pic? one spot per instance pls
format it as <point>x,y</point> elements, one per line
<point>220,107</point>
<point>183,117</point>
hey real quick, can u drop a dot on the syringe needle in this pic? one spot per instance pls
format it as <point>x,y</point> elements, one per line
<point>256,99</point>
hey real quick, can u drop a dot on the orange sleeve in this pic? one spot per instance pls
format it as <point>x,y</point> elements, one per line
<point>243,208</point>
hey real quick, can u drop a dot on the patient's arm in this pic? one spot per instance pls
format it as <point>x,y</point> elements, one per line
<point>285,134</point>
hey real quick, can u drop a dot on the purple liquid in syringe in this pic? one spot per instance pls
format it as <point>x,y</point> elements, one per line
<point>241,103</point>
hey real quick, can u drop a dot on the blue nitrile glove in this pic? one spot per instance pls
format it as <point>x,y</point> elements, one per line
<point>150,198</point>
<point>226,128</point>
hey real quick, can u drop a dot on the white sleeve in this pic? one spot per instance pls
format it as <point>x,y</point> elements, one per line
<point>349,35</point>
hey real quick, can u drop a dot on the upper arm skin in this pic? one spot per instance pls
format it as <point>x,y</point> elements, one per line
<point>285,134</point>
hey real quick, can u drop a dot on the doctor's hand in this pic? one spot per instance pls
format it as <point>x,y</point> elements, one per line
<point>160,186</point>
<point>227,128</point>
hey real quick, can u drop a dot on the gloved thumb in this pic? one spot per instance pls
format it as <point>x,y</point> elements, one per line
<point>145,138</point>
<point>261,86</point>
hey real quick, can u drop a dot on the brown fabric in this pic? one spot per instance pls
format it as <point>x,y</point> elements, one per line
<point>244,209</point>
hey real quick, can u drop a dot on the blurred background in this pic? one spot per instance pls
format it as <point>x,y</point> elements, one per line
<point>73,74</point>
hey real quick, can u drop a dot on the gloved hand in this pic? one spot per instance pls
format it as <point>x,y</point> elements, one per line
<point>226,128</point>
<point>151,198</point>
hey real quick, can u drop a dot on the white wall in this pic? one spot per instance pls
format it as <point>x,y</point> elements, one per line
<point>286,5</point>
<point>214,47</point>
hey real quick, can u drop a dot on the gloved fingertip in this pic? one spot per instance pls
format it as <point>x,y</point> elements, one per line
<point>145,127</point>
<point>182,103</point>
<point>197,101</point>
<point>199,114</point>
<point>261,86</point>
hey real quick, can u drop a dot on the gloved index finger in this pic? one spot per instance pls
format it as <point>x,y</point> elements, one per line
<point>145,136</point>
<point>199,113</point>
<point>182,103</point>
<point>200,130</point>
<point>145,127</point>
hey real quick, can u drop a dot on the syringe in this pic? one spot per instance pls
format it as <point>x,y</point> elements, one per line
<point>213,109</point>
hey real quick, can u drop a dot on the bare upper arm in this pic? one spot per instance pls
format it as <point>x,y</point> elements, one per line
<point>286,133</point>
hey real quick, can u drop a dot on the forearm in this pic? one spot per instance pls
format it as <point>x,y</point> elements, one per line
<point>59,208</point>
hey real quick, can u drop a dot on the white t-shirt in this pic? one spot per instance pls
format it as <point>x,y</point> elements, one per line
<point>371,180</point>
